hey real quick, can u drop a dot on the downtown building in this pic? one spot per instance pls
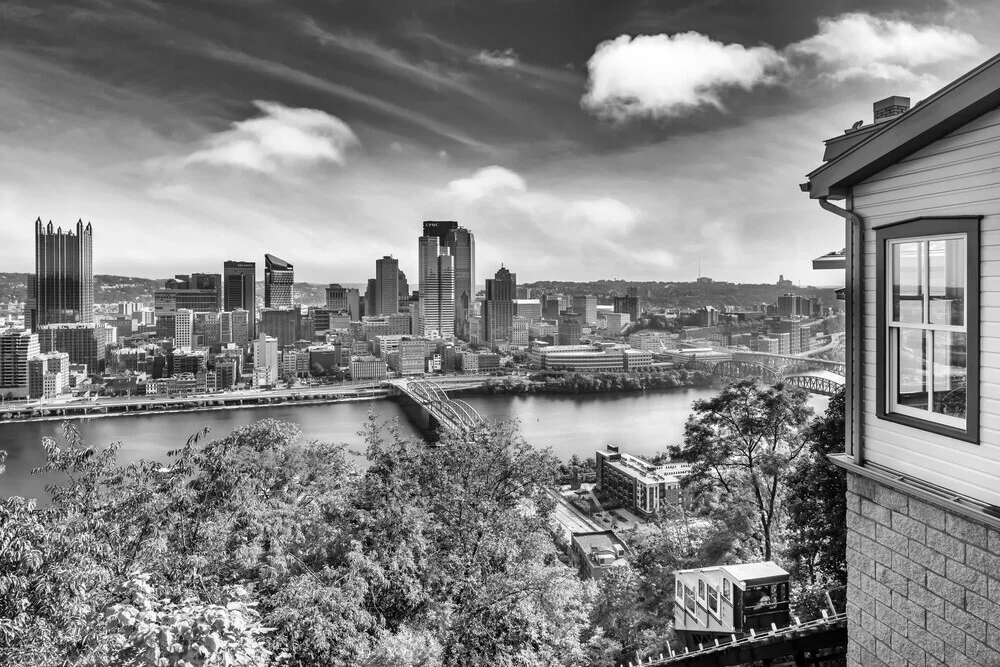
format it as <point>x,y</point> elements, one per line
<point>461,243</point>
<point>437,288</point>
<point>640,486</point>
<point>16,348</point>
<point>240,290</point>
<point>387,289</point>
<point>498,308</point>
<point>629,303</point>
<point>586,306</point>
<point>344,299</point>
<point>279,283</point>
<point>197,292</point>
<point>62,289</point>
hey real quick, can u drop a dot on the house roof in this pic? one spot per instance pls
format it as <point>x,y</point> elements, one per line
<point>831,260</point>
<point>958,103</point>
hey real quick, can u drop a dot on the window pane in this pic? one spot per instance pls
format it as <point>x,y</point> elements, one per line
<point>949,373</point>
<point>911,378</point>
<point>907,282</point>
<point>946,275</point>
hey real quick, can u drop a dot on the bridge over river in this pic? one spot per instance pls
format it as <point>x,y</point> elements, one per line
<point>434,406</point>
<point>774,368</point>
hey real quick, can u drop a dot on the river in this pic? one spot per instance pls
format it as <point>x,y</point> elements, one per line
<point>642,423</point>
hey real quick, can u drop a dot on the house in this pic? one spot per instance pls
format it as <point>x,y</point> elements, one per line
<point>919,193</point>
<point>715,603</point>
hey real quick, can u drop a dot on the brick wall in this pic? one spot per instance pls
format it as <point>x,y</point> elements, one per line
<point>923,582</point>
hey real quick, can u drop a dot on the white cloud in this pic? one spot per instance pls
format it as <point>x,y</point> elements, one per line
<point>486,182</point>
<point>281,137</point>
<point>664,76</point>
<point>503,59</point>
<point>860,45</point>
<point>668,75</point>
<point>606,215</point>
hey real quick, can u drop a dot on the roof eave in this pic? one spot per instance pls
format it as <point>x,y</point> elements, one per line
<point>958,103</point>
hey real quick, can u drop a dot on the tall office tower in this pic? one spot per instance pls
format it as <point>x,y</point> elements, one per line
<point>370,298</point>
<point>347,299</point>
<point>279,282</point>
<point>16,348</point>
<point>404,289</point>
<point>437,289</point>
<point>587,307</point>
<point>184,329</point>
<point>439,228</point>
<point>498,308</point>
<point>386,286</point>
<point>62,289</point>
<point>240,290</point>
<point>462,244</point>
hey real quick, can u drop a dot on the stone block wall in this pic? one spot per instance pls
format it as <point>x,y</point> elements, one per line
<point>923,582</point>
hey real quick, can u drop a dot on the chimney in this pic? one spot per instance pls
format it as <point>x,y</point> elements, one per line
<point>890,107</point>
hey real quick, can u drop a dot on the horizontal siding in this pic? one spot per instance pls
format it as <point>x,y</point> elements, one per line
<point>957,175</point>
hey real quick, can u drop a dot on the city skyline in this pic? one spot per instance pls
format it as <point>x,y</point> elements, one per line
<point>472,114</point>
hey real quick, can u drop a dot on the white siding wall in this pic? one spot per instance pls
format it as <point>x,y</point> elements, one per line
<point>957,175</point>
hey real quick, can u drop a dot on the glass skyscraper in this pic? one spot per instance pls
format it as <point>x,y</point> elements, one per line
<point>62,290</point>
<point>279,282</point>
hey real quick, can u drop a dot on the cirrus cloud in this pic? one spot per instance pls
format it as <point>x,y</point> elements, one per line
<point>504,59</point>
<point>280,137</point>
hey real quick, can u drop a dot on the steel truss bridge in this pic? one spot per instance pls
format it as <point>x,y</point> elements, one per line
<point>738,368</point>
<point>781,361</point>
<point>447,412</point>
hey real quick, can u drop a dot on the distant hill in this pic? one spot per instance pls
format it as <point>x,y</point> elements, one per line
<point>113,289</point>
<point>685,295</point>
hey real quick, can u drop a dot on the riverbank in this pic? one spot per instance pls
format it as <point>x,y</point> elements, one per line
<point>553,382</point>
<point>97,410</point>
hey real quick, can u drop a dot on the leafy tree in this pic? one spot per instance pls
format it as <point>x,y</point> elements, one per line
<point>744,440</point>
<point>817,505</point>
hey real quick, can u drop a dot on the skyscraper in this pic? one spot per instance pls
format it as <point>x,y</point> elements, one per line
<point>198,292</point>
<point>498,308</point>
<point>240,290</point>
<point>16,348</point>
<point>586,306</point>
<point>439,228</point>
<point>437,288</point>
<point>462,244</point>
<point>62,289</point>
<point>628,304</point>
<point>386,286</point>
<point>279,282</point>
<point>344,298</point>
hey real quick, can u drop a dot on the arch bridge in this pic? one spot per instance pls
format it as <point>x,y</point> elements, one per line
<point>781,361</point>
<point>815,384</point>
<point>736,369</point>
<point>435,404</point>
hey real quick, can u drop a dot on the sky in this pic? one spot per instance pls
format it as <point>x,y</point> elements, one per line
<point>577,139</point>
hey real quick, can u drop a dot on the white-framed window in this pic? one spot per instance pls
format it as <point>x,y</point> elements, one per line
<point>928,325</point>
<point>713,600</point>
<point>727,589</point>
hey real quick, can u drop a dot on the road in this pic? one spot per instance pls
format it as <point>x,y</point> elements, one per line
<point>572,519</point>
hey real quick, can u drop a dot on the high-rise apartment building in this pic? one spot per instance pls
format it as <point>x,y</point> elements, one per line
<point>462,245</point>
<point>437,288</point>
<point>498,308</point>
<point>386,286</point>
<point>279,282</point>
<point>183,329</point>
<point>62,289</point>
<point>240,290</point>
<point>16,348</point>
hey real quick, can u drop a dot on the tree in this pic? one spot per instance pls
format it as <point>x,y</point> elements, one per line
<point>817,504</point>
<point>744,440</point>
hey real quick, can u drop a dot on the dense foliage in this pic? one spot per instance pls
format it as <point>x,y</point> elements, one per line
<point>260,549</point>
<point>562,382</point>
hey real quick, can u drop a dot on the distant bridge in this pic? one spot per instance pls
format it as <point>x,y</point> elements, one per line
<point>743,367</point>
<point>781,361</point>
<point>435,405</point>
<point>815,384</point>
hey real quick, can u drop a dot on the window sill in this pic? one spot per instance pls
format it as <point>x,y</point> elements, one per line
<point>930,426</point>
<point>931,493</point>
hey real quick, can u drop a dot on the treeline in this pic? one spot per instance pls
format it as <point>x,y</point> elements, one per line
<point>559,382</point>
<point>260,549</point>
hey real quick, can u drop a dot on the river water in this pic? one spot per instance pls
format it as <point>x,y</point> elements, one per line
<point>641,423</point>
